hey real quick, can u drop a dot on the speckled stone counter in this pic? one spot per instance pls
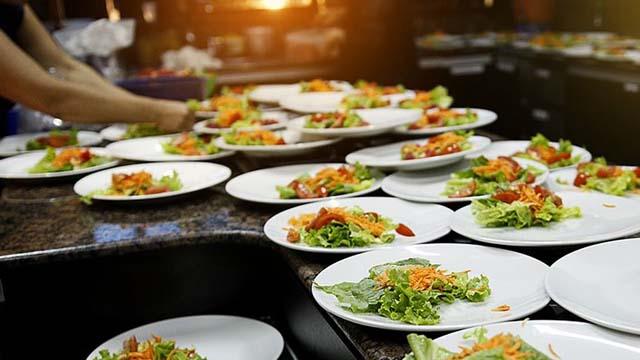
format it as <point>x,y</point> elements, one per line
<point>47,223</point>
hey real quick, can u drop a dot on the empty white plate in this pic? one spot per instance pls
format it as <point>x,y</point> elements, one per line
<point>150,149</point>
<point>428,222</point>
<point>599,283</point>
<point>216,337</point>
<point>313,102</point>
<point>508,148</point>
<point>296,143</point>
<point>193,175</point>
<point>279,116</point>
<point>16,144</point>
<point>522,290</point>
<point>260,185</point>
<point>604,217</point>
<point>569,340</point>
<point>17,167</point>
<point>562,180</point>
<point>428,185</point>
<point>388,156</point>
<point>380,121</point>
<point>485,117</point>
<point>273,93</point>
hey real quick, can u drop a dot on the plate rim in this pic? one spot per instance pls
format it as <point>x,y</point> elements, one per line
<point>33,135</point>
<point>115,153</point>
<point>492,115</point>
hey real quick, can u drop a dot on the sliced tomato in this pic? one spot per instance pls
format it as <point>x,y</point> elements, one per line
<point>469,190</point>
<point>581,179</point>
<point>323,219</point>
<point>156,190</point>
<point>506,196</point>
<point>530,179</point>
<point>404,230</point>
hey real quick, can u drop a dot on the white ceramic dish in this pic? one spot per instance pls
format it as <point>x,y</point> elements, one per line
<point>508,148</point>
<point>279,116</point>
<point>523,290</point>
<point>428,185</point>
<point>315,102</point>
<point>16,144</point>
<point>150,149</point>
<point>193,175</point>
<point>272,94</point>
<point>380,121</point>
<point>428,222</point>
<point>567,339</point>
<point>388,156</point>
<point>17,167</point>
<point>296,144</point>
<point>217,337</point>
<point>260,185</point>
<point>562,180</point>
<point>116,132</point>
<point>612,269</point>
<point>485,117</point>
<point>604,217</point>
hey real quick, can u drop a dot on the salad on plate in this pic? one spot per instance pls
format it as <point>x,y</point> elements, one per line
<point>609,179</point>
<point>55,139</point>
<point>137,183</point>
<point>364,101</point>
<point>541,150</point>
<point>344,227</point>
<point>437,97</point>
<point>235,118</point>
<point>156,348</point>
<point>409,291</point>
<point>443,144</point>
<point>485,177</point>
<point>329,181</point>
<point>522,206</point>
<point>191,144</point>
<point>444,117</point>
<point>372,88</point>
<point>335,120</point>
<point>253,138</point>
<point>317,85</point>
<point>142,130</point>
<point>67,160</point>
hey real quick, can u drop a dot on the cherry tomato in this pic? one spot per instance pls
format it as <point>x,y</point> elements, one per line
<point>404,230</point>
<point>581,179</point>
<point>506,196</point>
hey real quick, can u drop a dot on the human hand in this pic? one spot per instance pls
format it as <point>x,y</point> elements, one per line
<point>174,116</point>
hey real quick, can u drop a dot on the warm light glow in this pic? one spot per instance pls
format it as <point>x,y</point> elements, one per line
<point>274,4</point>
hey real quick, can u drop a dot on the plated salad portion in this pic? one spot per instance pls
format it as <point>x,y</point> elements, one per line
<point>235,118</point>
<point>335,120</point>
<point>344,227</point>
<point>363,101</point>
<point>409,290</point>
<point>253,138</point>
<point>142,130</point>
<point>68,160</point>
<point>317,85</point>
<point>444,117</point>
<point>443,144</point>
<point>329,181</point>
<point>541,150</point>
<point>503,346</point>
<point>522,206</point>
<point>156,348</point>
<point>218,103</point>
<point>485,177</point>
<point>137,183</point>
<point>372,88</point>
<point>437,97</point>
<point>609,179</point>
<point>191,144</point>
<point>55,139</point>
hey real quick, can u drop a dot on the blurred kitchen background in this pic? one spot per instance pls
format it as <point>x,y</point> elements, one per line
<point>567,68</point>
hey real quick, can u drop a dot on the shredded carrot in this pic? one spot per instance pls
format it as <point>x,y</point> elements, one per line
<point>553,351</point>
<point>509,168</point>
<point>510,346</point>
<point>502,308</point>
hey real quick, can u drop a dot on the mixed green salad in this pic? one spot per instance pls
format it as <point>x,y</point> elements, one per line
<point>67,160</point>
<point>155,348</point>
<point>191,144</point>
<point>138,183</point>
<point>522,206</point>
<point>499,347</point>
<point>329,181</point>
<point>485,177</point>
<point>436,97</point>
<point>409,290</point>
<point>55,139</point>
<point>540,149</point>
<point>335,120</point>
<point>443,144</point>
<point>363,101</point>
<point>142,130</point>
<point>609,179</point>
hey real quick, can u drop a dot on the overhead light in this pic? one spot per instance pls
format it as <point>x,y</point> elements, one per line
<point>274,4</point>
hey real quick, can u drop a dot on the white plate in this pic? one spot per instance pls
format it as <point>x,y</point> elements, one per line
<point>508,148</point>
<point>272,94</point>
<point>522,290</point>
<point>314,102</point>
<point>428,185</point>
<point>15,144</point>
<point>380,121</point>
<point>205,114</point>
<point>604,217</point>
<point>428,222</point>
<point>281,117</point>
<point>485,117</point>
<point>193,175</point>
<point>570,340</point>
<point>260,185</point>
<point>216,337</point>
<point>568,175</point>
<point>17,167</point>
<point>612,268</point>
<point>116,132</point>
<point>388,156</point>
<point>150,149</point>
<point>296,143</point>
